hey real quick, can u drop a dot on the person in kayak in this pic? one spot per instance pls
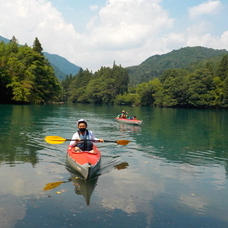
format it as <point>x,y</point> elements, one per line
<point>83,134</point>
<point>132,118</point>
<point>123,115</point>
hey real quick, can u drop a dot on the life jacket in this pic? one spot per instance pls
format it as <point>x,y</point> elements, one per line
<point>123,116</point>
<point>85,145</point>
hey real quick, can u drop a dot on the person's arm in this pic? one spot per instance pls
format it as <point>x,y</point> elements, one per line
<point>74,138</point>
<point>92,137</point>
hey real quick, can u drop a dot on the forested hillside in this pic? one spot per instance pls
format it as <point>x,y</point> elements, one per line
<point>4,39</point>
<point>61,66</point>
<point>183,58</point>
<point>190,78</point>
<point>102,87</point>
<point>26,75</point>
<point>201,84</point>
<point>205,87</point>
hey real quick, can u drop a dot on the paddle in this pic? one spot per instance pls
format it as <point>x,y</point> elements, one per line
<point>59,140</point>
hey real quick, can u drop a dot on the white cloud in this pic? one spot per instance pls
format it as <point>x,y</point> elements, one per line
<point>127,31</point>
<point>136,199</point>
<point>195,35</point>
<point>205,8</point>
<point>128,23</point>
<point>27,20</point>
<point>94,7</point>
<point>224,39</point>
<point>123,29</point>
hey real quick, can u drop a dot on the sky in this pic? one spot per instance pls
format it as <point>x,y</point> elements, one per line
<point>95,33</point>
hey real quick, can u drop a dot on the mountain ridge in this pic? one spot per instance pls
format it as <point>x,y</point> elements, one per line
<point>149,69</point>
<point>61,65</point>
<point>155,65</point>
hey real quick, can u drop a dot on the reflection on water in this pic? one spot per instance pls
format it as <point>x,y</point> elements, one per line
<point>176,169</point>
<point>122,165</point>
<point>129,128</point>
<point>84,187</point>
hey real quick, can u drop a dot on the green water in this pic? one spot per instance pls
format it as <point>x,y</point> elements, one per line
<point>173,173</point>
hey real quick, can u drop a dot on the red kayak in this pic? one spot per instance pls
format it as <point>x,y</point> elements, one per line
<point>129,121</point>
<point>86,163</point>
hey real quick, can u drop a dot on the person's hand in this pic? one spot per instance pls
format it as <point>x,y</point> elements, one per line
<point>101,140</point>
<point>77,140</point>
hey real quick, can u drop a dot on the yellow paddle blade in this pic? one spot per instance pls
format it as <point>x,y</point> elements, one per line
<point>54,139</point>
<point>52,185</point>
<point>122,142</point>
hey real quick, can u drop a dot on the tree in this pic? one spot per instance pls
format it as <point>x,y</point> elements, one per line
<point>218,92</point>
<point>37,46</point>
<point>200,87</point>
<point>175,85</point>
<point>66,86</point>
<point>144,93</point>
<point>225,93</point>
<point>78,86</point>
<point>26,76</point>
<point>13,45</point>
<point>102,87</point>
<point>222,70</point>
<point>125,99</point>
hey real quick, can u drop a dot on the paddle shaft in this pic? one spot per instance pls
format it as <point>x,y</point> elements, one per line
<point>59,140</point>
<point>82,140</point>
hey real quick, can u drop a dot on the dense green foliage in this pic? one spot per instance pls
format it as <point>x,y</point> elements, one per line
<point>101,87</point>
<point>190,77</point>
<point>183,58</point>
<point>61,66</point>
<point>26,75</point>
<point>205,87</point>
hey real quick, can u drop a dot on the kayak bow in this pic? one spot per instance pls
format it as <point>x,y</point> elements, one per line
<point>86,163</point>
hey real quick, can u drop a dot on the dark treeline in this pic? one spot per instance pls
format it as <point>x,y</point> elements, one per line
<point>205,87</point>
<point>26,75</point>
<point>102,87</point>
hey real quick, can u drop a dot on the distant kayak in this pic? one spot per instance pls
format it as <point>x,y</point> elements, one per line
<point>129,121</point>
<point>86,163</point>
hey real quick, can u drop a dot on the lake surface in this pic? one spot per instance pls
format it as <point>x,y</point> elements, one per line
<point>173,173</point>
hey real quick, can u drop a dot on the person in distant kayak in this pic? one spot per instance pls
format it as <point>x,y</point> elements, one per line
<point>123,115</point>
<point>83,134</point>
<point>133,118</point>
